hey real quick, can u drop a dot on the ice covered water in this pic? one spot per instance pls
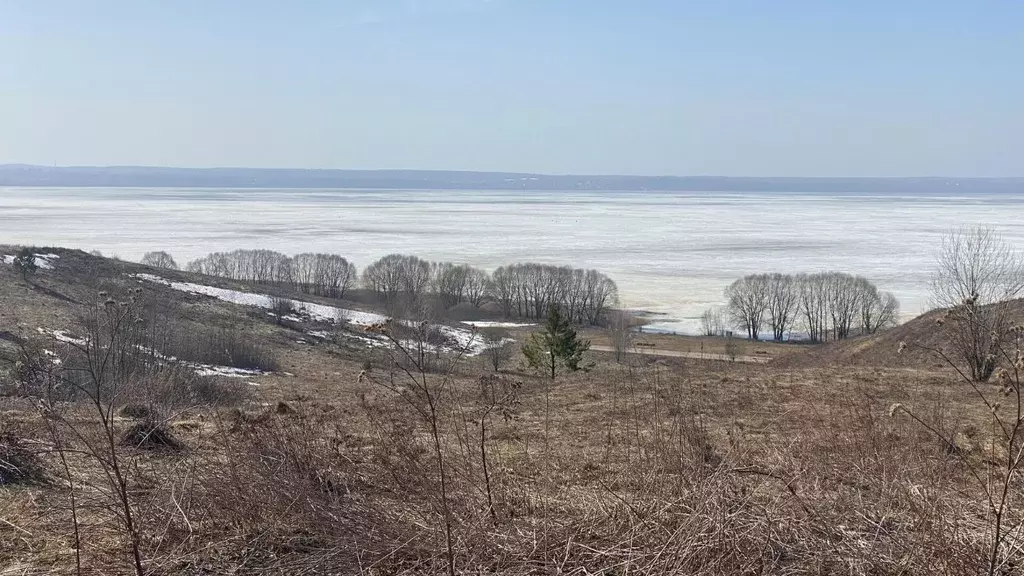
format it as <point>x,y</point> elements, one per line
<point>670,253</point>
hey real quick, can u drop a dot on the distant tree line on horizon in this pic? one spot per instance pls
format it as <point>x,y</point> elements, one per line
<point>824,306</point>
<point>405,283</point>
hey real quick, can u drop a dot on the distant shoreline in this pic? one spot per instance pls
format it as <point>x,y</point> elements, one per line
<point>21,175</point>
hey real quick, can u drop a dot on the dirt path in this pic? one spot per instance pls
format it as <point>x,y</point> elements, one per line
<point>647,351</point>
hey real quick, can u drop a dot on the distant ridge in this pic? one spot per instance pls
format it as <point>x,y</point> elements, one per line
<point>145,176</point>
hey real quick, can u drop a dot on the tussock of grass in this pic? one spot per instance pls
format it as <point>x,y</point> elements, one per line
<point>150,435</point>
<point>19,465</point>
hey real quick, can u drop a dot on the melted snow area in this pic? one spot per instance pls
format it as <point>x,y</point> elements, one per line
<point>43,261</point>
<point>488,324</point>
<point>463,339</point>
<point>317,312</point>
<point>200,369</point>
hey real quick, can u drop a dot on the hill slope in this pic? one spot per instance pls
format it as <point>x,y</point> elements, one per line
<point>882,349</point>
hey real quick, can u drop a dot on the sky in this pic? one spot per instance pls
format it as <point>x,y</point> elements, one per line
<point>646,87</point>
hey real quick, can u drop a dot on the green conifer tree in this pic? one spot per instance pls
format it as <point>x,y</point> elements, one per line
<point>557,344</point>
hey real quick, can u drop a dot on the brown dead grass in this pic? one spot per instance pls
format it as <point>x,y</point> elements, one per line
<point>702,344</point>
<point>656,467</point>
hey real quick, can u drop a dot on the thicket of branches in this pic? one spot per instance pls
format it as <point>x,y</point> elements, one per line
<point>826,306</point>
<point>978,275</point>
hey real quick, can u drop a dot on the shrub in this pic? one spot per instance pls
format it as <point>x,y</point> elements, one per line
<point>499,350</point>
<point>159,259</point>
<point>18,464</point>
<point>281,307</point>
<point>214,346</point>
<point>25,263</point>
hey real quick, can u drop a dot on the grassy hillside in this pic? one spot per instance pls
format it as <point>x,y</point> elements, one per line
<point>922,334</point>
<point>333,451</point>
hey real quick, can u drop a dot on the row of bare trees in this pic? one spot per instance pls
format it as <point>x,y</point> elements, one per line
<point>259,266</point>
<point>321,274</point>
<point>403,282</point>
<point>327,275</point>
<point>527,290</point>
<point>523,290</point>
<point>404,279</point>
<point>826,305</point>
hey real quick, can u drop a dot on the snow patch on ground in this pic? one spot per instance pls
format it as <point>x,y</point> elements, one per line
<point>466,340</point>
<point>317,312</point>
<point>227,371</point>
<point>199,369</point>
<point>43,261</point>
<point>207,369</point>
<point>489,324</point>
<point>62,336</point>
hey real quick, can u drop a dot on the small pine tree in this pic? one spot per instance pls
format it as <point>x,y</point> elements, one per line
<point>557,343</point>
<point>25,262</point>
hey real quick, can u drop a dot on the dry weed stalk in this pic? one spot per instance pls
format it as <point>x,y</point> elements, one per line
<point>998,475</point>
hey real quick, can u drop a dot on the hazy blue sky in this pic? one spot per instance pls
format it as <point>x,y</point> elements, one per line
<point>762,87</point>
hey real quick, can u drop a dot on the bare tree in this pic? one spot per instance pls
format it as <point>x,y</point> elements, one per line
<point>619,325</point>
<point>449,282</point>
<point>712,322</point>
<point>477,285</point>
<point>385,277</point>
<point>813,298</point>
<point>844,302</point>
<point>327,275</point>
<point>527,290</point>
<point>782,304</point>
<point>879,310</point>
<point>415,278</point>
<point>978,273</point>
<point>159,259</point>
<point>748,302</point>
<point>400,280</point>
<point>101,368</point>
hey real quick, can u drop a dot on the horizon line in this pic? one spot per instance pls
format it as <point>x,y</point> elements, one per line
<point>494,172</point>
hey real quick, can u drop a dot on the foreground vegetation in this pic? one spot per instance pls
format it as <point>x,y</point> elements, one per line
<point>399,459</point>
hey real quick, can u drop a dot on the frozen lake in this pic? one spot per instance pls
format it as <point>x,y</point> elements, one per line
<point>672,253</point>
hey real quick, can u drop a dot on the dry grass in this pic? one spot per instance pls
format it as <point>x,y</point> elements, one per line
<point>712,345</point>
<point>661,466</point>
